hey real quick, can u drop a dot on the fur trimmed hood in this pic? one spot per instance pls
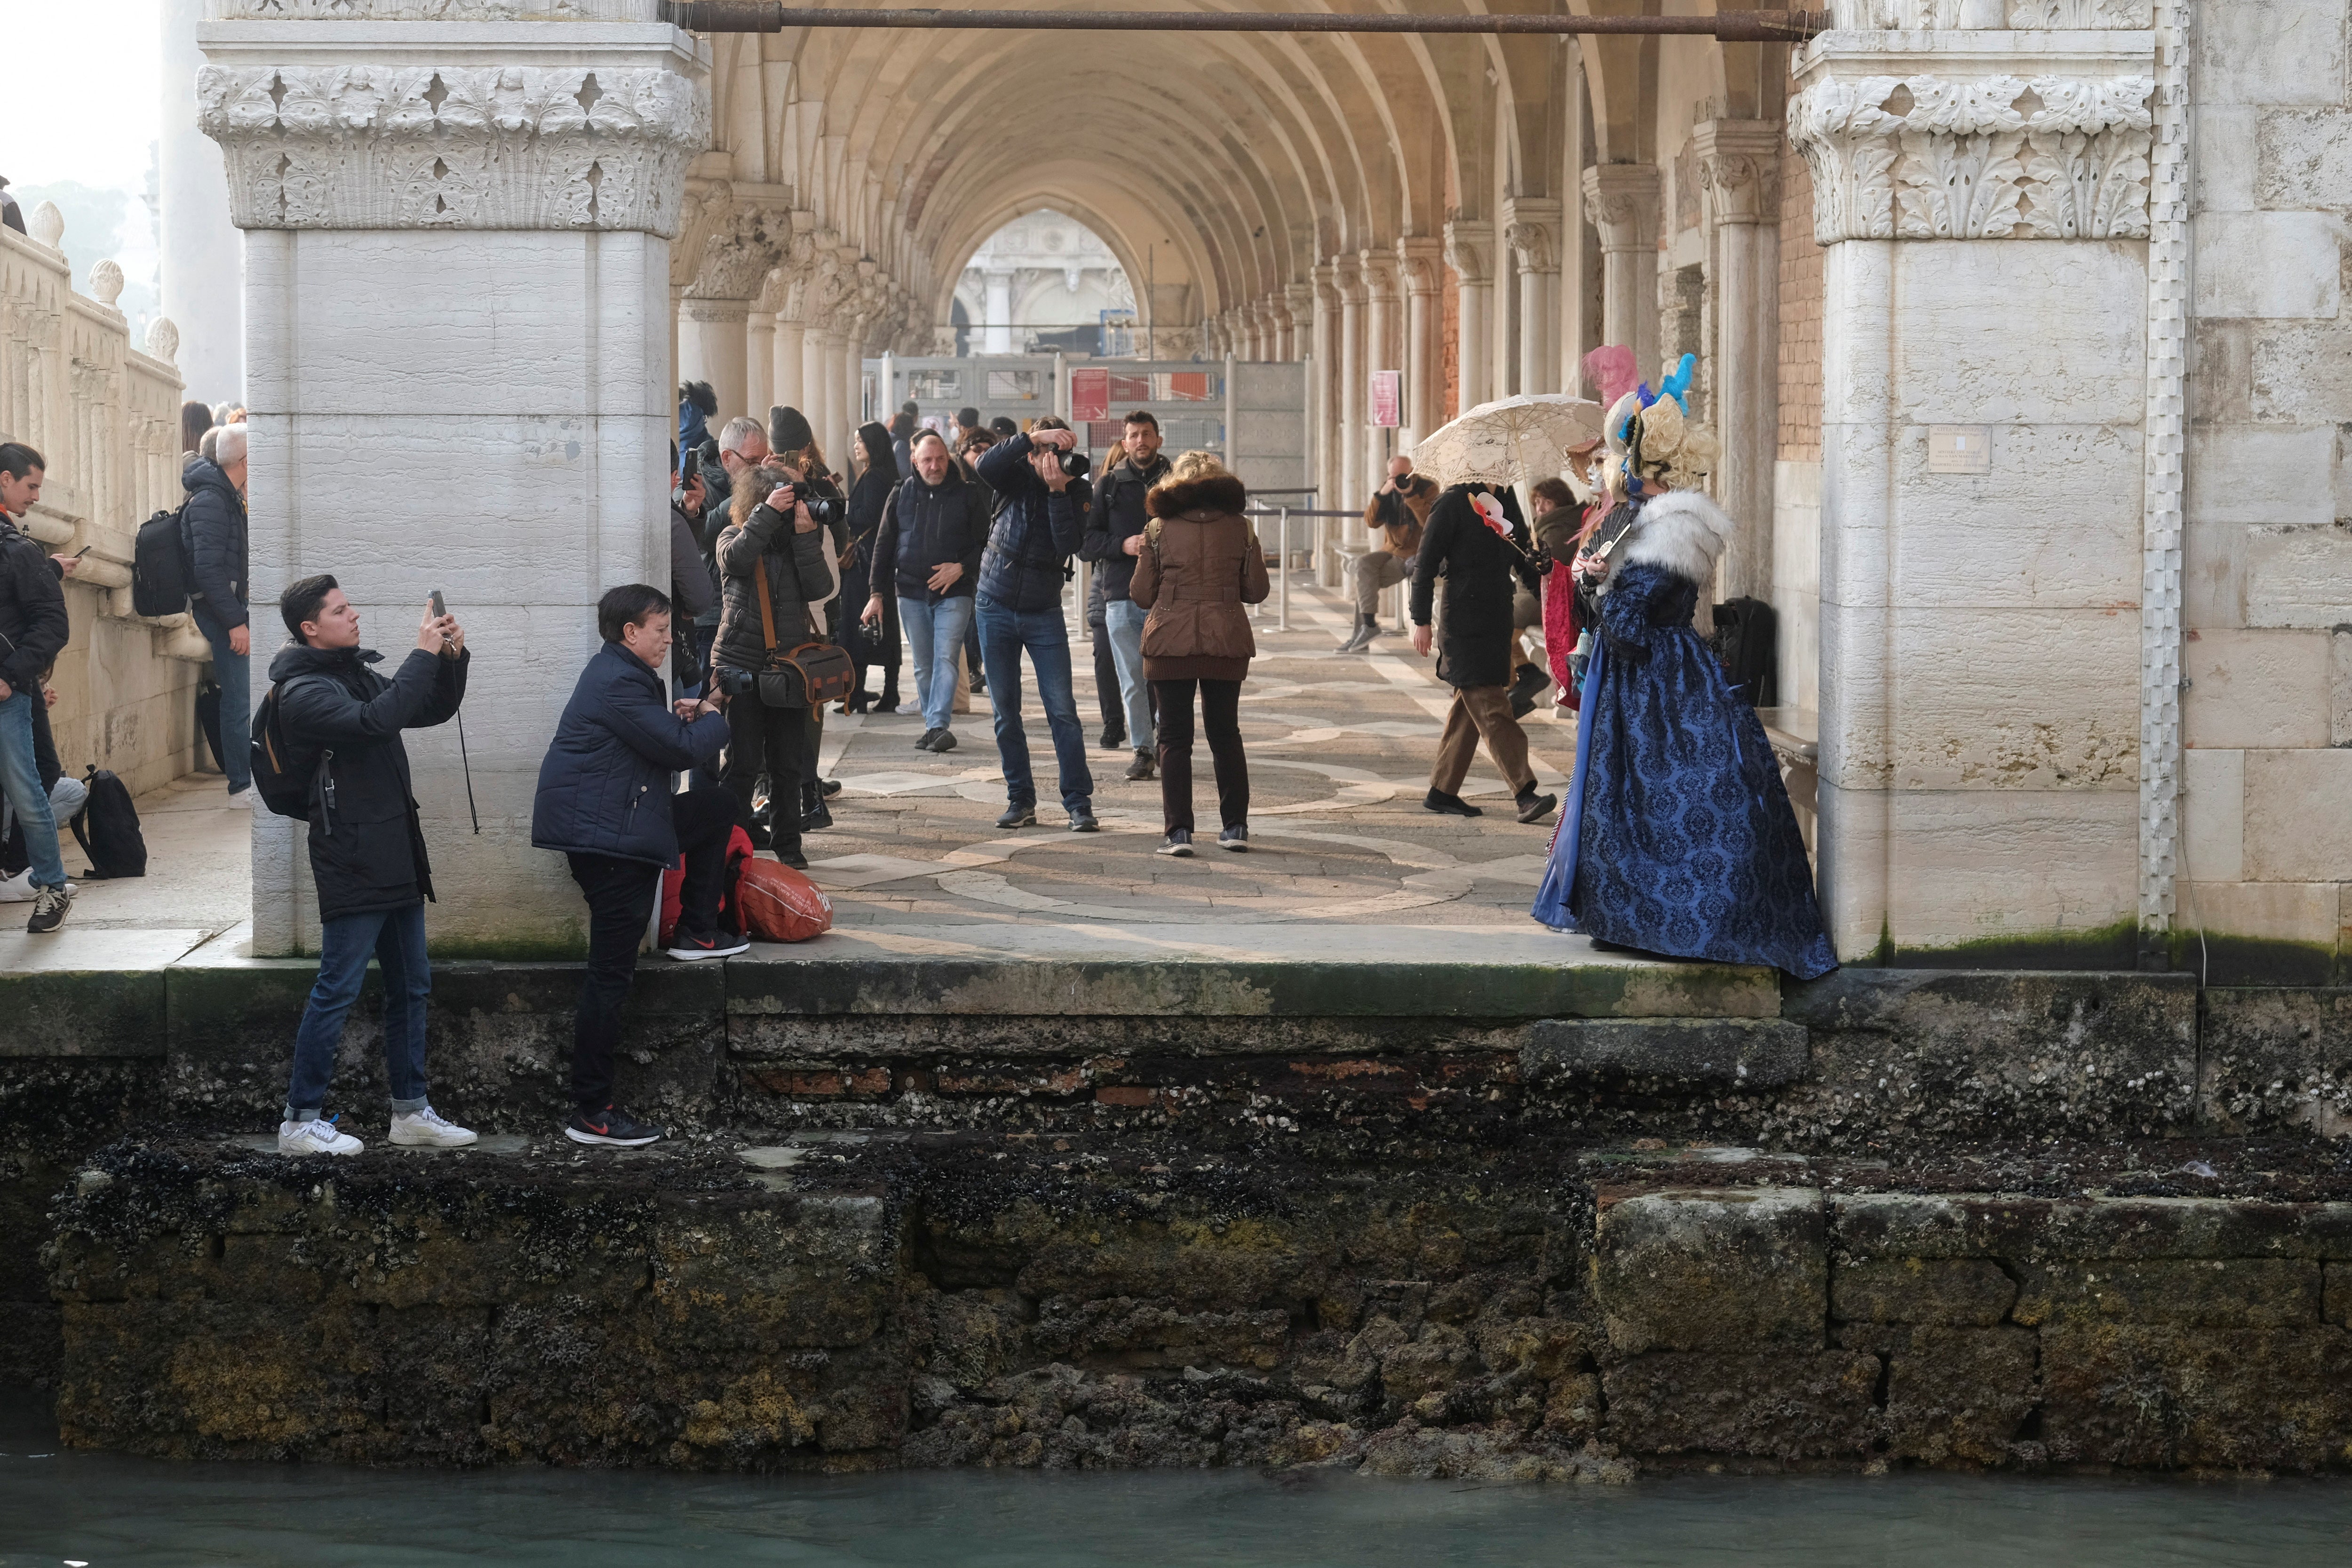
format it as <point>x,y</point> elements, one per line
<point>1216,495</point>
<point>1682,532</point>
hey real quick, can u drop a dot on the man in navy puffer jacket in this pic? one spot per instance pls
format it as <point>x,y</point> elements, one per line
<point>604,801</point>
<point>1043,517</point>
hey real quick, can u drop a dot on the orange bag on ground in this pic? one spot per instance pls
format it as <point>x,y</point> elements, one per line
<point>730,915</point>
<point>780,904</point>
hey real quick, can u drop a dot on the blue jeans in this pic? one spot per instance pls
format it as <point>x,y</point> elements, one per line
<point>20,782</point>
<point>232,671</point>
<point>1123,623</point>
<point>396,939</point>
<point>1003,635</point>
<point>935,643</point>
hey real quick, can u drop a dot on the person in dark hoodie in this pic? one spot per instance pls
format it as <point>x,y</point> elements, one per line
<point>33,631</point>
<point>927,557</point>
<point>697,406</point>
<point>875,643</point>
<point>215,522</point>
<point>605,803</point>
<point>343,723</point>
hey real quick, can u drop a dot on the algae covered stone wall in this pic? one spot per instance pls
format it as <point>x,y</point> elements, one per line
<point>1023,1300</point>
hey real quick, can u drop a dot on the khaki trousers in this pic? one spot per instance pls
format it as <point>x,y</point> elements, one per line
<point>1481,712</point>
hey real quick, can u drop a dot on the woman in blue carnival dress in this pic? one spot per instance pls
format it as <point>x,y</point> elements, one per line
<point>1677,838</point>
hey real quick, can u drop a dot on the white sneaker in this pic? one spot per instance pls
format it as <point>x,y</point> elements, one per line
<point>317,1136</point>
<point>19,889</point>
<point>426,1130</point>
<point>242,799</point>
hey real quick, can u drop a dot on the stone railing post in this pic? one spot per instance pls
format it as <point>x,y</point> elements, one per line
<point>457,281</point>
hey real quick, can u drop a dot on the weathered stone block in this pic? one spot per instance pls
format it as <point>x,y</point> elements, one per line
<point>1960,1394</point>
<point>2286,840</point>
<point>2234,1292</point>
<point>2336,1305</point>
<point>805,1272</point>
<point>2301,576</point>
<point>1705,1056</point>
<point>1784,1406</point>
<point>2011,1055</point>
<point>2256,474</point>
<point>2060,1230</point>
<point>2293,158</point>
<point>2278,1057</point>
<point>2268,264</point>
<point>1739,1270</point>
<point>2223,1398</point>
<point>2255,688</point>
<point>1956,1291</point>
<point>2272,51</point>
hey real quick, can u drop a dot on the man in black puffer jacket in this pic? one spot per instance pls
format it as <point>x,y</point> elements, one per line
<point>927,554</point>
<point>1038,530</point>
<point>342,723</point>
<point>605,803</point>
<point>33,631</point>
<point>1114,538</point>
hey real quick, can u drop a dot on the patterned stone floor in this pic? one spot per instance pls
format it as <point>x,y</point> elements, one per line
<point>1339,752</point>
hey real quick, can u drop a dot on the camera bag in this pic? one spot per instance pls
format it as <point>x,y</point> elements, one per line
<point>809,675</point>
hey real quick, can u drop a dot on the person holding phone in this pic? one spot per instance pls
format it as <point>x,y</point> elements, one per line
<point>606,802</point>
<point>343,723</point>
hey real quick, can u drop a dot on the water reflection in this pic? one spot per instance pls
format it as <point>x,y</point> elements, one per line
<point>113,1513</point>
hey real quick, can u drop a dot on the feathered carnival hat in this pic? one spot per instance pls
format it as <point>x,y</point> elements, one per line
<point>1652,438</point>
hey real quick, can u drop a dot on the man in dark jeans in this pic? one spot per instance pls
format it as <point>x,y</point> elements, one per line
<point>214,522</point>
<point>342,723</point>
<point>1114,535</point>
<point>1020,611</point>
<point>605,803</point>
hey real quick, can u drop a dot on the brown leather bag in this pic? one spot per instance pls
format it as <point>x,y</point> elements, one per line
<point>809,675</point>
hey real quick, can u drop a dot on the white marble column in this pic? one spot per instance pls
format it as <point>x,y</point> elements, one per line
<point>759,361</point>
<point>486,342</point>
<point>203,259</point>
<point>1468,251</point>
<point>1352,385</point>
<point>1299,306</point>
<point>996,306</point>
<point>1418,265</point>
<point>1621,200</point>
<point>711,347</point>
<point>1531,229</point>
<point>1986,382</point>
<point>1324,377</point>
<point>1740,167</point>
<point>1383,340</point>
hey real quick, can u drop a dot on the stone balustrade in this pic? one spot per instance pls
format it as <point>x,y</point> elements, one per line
<point>104,411</point>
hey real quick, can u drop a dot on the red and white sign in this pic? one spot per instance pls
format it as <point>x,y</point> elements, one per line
<point>1388,398</point>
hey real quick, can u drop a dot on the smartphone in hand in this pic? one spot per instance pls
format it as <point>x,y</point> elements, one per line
<point>440,605</point>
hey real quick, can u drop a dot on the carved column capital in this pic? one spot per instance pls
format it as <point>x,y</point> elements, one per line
<point>1469,248</point>
<point>1907,145</point>
<point>396,144</point>
<point>1421,261</point>
<point>1326,284</point>
<point>738,257</point>
<point>1348,274</point>
<point>1621,200</point>
<point>1740,169</point>
<point>1379,270</point>
<point>1531,230</point>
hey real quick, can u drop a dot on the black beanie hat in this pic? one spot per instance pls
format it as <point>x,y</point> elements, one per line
<point>788,431</point>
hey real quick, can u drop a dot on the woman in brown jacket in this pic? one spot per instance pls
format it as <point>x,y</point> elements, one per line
<point>1199,563</point>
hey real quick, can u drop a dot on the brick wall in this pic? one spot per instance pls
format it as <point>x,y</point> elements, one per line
<point>1800,316</point>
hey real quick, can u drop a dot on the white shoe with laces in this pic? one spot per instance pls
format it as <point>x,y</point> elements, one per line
<point>19,889</point>
<point>426,1130</point>
<point>316,1136</point>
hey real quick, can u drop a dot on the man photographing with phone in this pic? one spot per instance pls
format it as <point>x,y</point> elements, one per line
<point>343,723</point>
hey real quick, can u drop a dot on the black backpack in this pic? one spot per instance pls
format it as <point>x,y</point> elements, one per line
<point>162,568</point>
<point>1744,634</point>
<point>278,777</point>
<point>106,828</point>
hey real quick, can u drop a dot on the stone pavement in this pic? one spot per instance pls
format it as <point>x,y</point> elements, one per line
<point>1342,854</point>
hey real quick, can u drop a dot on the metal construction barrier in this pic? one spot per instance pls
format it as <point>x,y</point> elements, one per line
<point>1284,514</point>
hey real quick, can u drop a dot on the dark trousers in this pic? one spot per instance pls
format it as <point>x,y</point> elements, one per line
<point>774,742</point>
<point>621,895</point>
<point>1114,711</point>
<point>1220,715</point>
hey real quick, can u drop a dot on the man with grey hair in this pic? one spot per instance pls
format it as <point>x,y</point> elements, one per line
<point>742,446</point>
<point>214,524</point>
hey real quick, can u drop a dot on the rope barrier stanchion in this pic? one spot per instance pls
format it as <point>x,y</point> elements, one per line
<point>1282,617</point>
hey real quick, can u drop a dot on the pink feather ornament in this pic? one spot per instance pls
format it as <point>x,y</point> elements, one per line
<point>1610,368</point>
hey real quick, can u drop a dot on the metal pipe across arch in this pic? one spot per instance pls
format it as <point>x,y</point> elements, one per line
<point>772,17</point>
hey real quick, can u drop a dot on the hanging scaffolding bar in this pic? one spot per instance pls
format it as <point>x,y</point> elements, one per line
<point>773,16</point>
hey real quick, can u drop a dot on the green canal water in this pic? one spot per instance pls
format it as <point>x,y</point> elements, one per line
<point>58,1508</point>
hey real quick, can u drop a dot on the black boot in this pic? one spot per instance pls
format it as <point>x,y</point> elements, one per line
<point>814,814</point>
<point>1527,683</point>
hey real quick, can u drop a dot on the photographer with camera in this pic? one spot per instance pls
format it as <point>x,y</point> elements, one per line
<point>605,803</point>
<point>1039,479</point>
<point>772,570</point>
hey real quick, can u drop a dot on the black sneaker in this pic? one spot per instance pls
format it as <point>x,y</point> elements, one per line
<point>1018,816</point>
<point>1082,820</point>
<point>946,742</point>
<point>931,738</point>
<point>831,787</point>
<point>1113,738</point>
<point>611,1126</point>
<point>50,907</point>
<point>1528,682</point>
<point>1445,805</point>
<point>791,856</point>
<point>1534,808</point>
<point>1179,843</point>
<point>1141,768</point>
<point>1235,839</point>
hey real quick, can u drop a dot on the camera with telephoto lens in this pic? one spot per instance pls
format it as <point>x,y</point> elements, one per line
<point>733,682</point>
<point>823,509</point>
<point>1073,463</point>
